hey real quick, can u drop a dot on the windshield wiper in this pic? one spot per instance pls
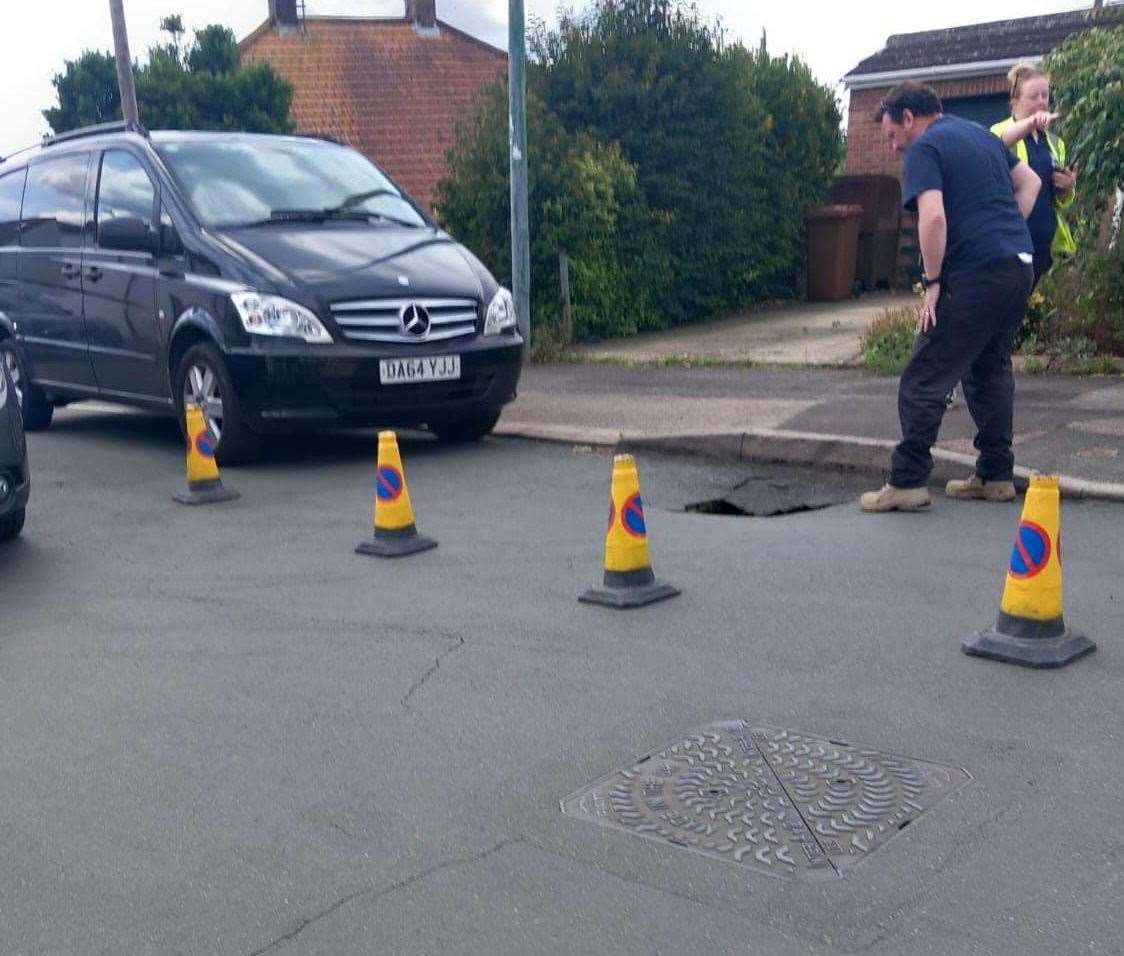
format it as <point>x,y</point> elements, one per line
<point>352,201</point>
<point>323,215</point>
<point>357,198</point>
<point>304,215</point>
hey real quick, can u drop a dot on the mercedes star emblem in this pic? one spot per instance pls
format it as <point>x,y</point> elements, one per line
<point>415,319</point>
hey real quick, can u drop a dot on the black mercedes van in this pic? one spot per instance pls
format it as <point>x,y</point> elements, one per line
<point>282,282</point>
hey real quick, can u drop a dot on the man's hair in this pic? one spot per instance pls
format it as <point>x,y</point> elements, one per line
<point>919,99</point>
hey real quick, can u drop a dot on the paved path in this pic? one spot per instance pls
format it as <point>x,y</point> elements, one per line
<point>798,333</point>
<point>1064,424</point>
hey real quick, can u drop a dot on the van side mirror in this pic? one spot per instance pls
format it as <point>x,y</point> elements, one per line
<point>170,242</point>
<point>127,234</point>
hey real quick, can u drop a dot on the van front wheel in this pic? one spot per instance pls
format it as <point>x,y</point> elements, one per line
<point>202,377</point>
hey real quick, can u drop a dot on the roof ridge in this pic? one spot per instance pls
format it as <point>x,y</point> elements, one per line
<point>1013,23</point>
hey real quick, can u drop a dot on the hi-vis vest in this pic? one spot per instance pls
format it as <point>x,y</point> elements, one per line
<point>1063,243</point>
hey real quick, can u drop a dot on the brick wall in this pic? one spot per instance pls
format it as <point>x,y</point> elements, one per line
<point>867,150</point>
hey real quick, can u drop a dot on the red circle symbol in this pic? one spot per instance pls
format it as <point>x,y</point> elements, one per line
<point>205,444</point>
<point>1031,552</point>
<point>612,514</point>
<point>389,483</point>
<point>632,516</point>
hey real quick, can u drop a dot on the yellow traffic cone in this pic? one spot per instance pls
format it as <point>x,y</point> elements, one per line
<point>204,486</point>
<point>395,531</point>
<point>1031,629</point>
<point>629,581</point>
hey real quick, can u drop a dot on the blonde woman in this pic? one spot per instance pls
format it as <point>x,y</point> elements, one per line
<point>1028,135</point>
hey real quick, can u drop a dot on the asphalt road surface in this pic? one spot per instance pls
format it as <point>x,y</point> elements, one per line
<point>225,732</point>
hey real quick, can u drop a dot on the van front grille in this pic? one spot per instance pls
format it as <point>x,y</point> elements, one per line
<point>406,321</point>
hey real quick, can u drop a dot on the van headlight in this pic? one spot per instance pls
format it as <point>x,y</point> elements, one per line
<point>273,315</point>
<point>501,313</point>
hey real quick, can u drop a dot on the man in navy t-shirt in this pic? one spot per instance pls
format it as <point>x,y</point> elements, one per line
<point>972,198</point>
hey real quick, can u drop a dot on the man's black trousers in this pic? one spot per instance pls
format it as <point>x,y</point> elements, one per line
<point>978,311</point>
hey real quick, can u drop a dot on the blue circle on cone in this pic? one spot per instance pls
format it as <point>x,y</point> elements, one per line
<point>1031,551</point>
<point>205,445</point>
<point>632,515</point>
<point>388,483</point>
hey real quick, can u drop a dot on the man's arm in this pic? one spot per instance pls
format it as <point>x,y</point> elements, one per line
<point>932,230</point>
<point>932,233</point>
<point>1026,184</point>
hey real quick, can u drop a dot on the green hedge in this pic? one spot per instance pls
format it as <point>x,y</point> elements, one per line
<point>674,169</point>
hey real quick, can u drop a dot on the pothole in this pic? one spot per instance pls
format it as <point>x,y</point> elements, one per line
<point>741,489</point>
<point>720,506</point>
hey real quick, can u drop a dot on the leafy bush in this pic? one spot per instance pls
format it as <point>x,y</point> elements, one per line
<point>888,343</point>
<point>693,160</point>
<point>1080,318</point>
<point>576,190</point>
<point>1075,319</point>
<point>1087,86</point>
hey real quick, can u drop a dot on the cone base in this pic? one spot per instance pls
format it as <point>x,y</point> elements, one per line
<point>395,546</point>
<point>1054,651</point>
<point>205,493</point>
<point>629,596</point>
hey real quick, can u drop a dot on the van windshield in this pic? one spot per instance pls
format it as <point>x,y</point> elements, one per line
<point>240,182</point>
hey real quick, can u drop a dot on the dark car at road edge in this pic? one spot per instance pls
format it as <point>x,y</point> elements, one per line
<point>15,476</point>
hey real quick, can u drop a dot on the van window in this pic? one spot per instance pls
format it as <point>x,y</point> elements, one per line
<point>124,189</point>
<point>54,202</point>
<point>233,182</point>
<point>11,194</point>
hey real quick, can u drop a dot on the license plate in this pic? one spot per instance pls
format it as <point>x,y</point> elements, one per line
<point>438,368</point>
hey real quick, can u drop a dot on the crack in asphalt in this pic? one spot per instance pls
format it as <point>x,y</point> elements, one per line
<point>430,671</point>
<point>372,894</point>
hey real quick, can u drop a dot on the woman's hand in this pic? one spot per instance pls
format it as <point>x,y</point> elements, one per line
<point>1065,180</point>
<point>1041,120</point>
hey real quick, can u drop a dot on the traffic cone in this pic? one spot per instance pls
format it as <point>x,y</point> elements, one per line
<point>395,532</point>
<point>629,581</point>
<point>1031,630</point>
<point>204,486</point>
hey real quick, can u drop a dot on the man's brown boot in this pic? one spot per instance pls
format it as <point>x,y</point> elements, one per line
<point>889,498</point>
<point>976,487</point>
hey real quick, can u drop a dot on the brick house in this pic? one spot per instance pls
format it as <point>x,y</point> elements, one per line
<point>967,66</point>
<point>394,88</point>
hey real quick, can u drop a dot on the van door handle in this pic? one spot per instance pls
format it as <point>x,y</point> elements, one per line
<point>70,270</point>
<point>93,273</point>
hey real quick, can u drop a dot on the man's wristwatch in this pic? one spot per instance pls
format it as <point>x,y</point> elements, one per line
<point>926,281</point>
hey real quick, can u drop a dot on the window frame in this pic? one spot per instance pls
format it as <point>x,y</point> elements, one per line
<point>95,199</point>
<point>17,223</point>
<point>40,162</point>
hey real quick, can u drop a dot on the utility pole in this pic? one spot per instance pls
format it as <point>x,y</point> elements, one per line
<point>517,126</point>
<point>124,63</point>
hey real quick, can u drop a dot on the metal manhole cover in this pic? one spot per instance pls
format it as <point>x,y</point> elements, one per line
<point>782,802</point>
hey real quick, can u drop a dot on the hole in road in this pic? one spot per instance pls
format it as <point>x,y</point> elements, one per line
<point>720,506</point>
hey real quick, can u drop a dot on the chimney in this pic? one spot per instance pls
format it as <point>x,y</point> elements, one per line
<point>283,13</point>
<point>423,13</point>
